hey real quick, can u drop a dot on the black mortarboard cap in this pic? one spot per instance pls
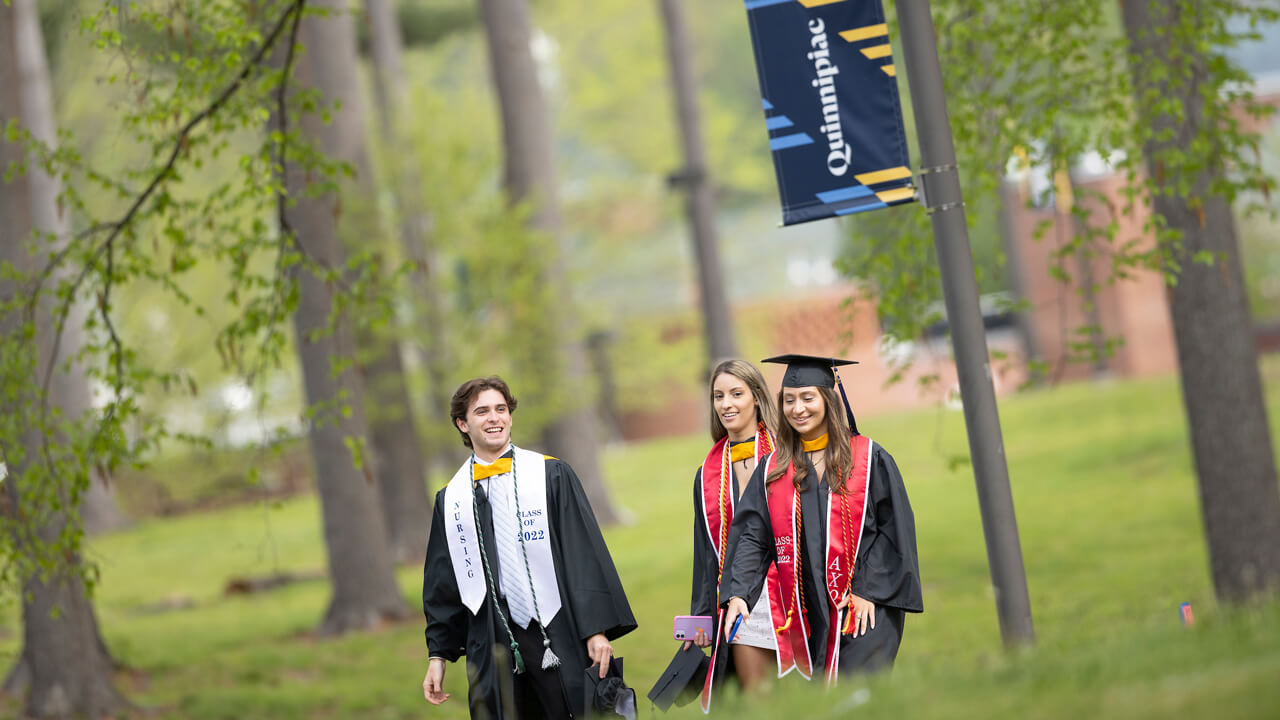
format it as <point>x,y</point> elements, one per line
<point>608,696</point>
<point>809,370</point>
<point>813,371</point>
<point>682,680</point>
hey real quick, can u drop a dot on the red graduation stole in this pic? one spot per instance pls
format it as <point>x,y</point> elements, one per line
<point>844,533</point>
<point>718,502</point>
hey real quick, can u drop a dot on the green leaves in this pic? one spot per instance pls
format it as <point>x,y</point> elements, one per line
<point>1039,87</point>
<point>179,274</point>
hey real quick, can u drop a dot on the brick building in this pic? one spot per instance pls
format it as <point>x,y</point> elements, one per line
<point>809,314</point>
<point>1134,311</point>
<point>823,322</point>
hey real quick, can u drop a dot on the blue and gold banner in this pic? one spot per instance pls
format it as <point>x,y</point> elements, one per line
<point>831,106</point>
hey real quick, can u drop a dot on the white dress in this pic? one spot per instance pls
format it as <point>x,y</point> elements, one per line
<point>757,630</point>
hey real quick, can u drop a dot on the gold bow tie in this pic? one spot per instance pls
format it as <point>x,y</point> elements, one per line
<point>742,451</point>
<point>811,445</point>
<point>499,466</point>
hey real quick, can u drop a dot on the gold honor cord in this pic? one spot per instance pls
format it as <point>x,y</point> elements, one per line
<point>725,486</point>
<point>848,533</point>
<point>796,563</point>
<point>725,489</point>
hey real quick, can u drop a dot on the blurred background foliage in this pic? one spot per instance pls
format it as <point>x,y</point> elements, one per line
<point>616,145</point>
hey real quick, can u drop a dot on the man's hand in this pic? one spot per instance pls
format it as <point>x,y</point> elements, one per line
<point>599,650</point>
<point>433,683</point>
<point>864,613</point>
<point>737,606</point>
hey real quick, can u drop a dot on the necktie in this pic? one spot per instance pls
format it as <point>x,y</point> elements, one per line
<point>506,531</point>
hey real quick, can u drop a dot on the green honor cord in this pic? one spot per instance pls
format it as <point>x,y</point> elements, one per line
<point>490,586</point>
<point>549,659</point>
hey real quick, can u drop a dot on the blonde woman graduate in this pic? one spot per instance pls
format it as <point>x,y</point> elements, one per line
<point>743,425</point>
<point>828,510</point>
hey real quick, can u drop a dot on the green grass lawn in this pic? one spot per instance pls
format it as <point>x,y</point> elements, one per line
<point>1111,537</point>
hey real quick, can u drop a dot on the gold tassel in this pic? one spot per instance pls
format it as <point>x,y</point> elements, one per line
<point>787,624</point>
<point>848,624</point>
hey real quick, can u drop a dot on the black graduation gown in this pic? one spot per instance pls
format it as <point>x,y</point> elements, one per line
<point>886,571</point>
<point>706,571</point>
<point>706,565</point>
<point>592,599</point>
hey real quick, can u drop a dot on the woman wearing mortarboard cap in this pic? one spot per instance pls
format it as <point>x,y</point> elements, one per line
<point>743,426</point>
<point>829,509</point>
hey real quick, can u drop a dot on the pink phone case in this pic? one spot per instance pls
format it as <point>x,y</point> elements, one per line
<point>685,627</point>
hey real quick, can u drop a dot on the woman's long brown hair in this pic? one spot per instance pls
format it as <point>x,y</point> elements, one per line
<point>839,458</point>
<point>749,375</point>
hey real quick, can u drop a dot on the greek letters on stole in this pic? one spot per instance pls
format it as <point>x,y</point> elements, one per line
<point>844,533</point>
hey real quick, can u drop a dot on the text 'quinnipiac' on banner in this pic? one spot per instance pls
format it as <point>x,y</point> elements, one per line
<point>831,106</point>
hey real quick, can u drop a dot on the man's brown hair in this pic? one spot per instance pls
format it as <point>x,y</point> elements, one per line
<point>467,393</point>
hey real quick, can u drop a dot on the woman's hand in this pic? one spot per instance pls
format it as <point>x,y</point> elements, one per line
<point>864,613</point>
<point>599,650</point>
<point>699,638</point>
<point>737,606</point>
<point>433,683</point>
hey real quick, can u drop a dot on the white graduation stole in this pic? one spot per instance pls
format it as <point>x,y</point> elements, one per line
<point>464,544</point>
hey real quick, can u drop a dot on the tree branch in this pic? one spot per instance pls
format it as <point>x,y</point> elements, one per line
<point>282,112</point>
<point>115,228</point>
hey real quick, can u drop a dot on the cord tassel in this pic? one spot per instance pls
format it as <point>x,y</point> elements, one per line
<point>787,624</point>
<point>517,660</point>
<point>848,624</point>
<point>549,659</point>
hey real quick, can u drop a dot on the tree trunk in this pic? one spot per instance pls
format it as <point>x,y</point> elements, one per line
<point>98,509</point>
<point>360,562</point>
<point>99,512</point>
<point>700,202</point>
<point>530,177</point>
<point>386,51</point>
<point>393,432</point>
<point>415,220</point>
<point>1221,385</point>
<point>397,451</point>
<point>64,666</point>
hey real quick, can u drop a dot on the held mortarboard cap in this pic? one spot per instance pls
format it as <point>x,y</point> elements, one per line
<point>809,370</point>
<point>608,697</point>
<point>682,680</point>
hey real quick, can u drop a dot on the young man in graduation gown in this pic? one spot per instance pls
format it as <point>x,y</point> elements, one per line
<point>517,577</point>
<point>830,508</point>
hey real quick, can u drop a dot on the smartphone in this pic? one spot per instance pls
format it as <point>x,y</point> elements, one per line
<point>685,627</point>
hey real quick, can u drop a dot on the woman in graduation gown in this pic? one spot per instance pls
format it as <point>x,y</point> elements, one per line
<point>743,424</point>
<point>829,508</point>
